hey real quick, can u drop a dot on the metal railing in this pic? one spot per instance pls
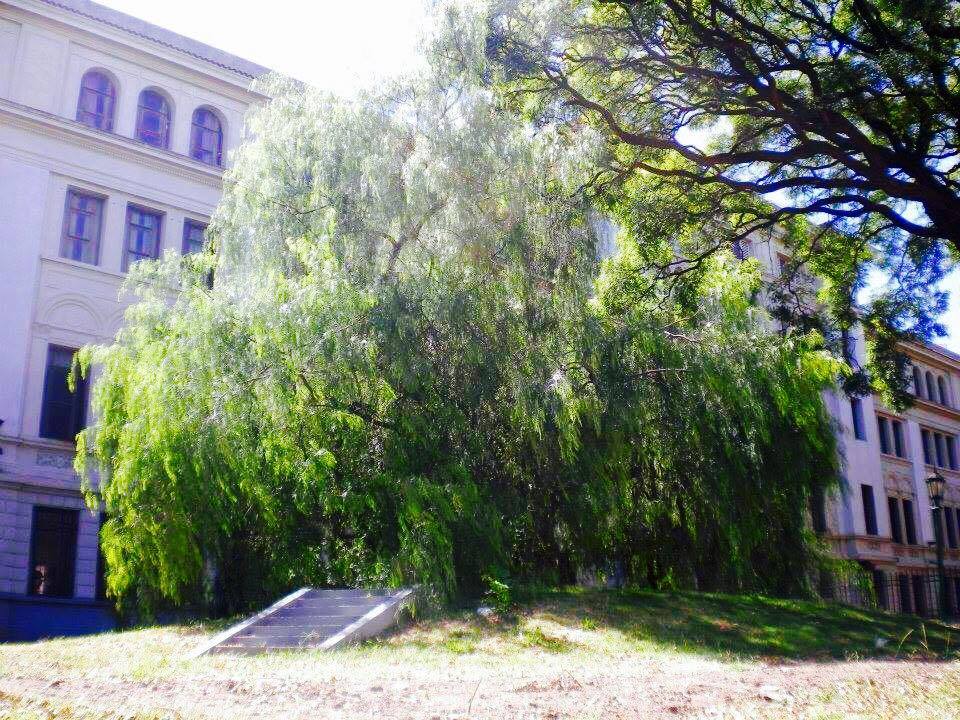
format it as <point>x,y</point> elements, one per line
<point>913,591</point>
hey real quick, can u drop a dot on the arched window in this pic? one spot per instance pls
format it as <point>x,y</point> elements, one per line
<point>98,98</point>
<point>931,387</point>
<point>917,382</point>
<point>206,137</point>
<point>153,119</point>
<point>942,387</point>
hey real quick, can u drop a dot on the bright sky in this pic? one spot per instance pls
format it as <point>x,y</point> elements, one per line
<point>332,44</point>
<point>335,45</point>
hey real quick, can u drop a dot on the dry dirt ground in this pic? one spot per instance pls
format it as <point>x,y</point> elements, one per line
<point>546,665</point>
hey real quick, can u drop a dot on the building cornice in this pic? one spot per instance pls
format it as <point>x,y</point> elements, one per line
<point>142,45</point>
<point>118,146</point>
<point>933,354</point>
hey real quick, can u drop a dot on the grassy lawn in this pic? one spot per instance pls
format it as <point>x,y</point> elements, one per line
<point>589,654</point>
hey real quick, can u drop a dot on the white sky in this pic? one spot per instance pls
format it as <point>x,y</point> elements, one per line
<point>335,45</point>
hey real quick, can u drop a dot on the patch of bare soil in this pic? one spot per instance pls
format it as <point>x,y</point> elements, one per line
<point>549,686</point>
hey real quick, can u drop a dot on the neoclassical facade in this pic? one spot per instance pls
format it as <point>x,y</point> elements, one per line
<point>881,516</point>
<point>113,138</point>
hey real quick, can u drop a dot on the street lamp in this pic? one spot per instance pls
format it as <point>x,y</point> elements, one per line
<point>935,487</point>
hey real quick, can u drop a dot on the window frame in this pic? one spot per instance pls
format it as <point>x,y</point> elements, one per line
<point>70,559</point>
<point>74,191</point>
<point>78,404</point>
<point>192,223</point>
<point>909,522</point>
<point>883,432</point>
<point>869,510</point>
<point>166,119</point>
<point>947,518</point>
<point>107,119</point>
<point>899,446</point>
<point>127,252</point>
<point>859,426</point>
<point>918,389</point>
<point>896,522</point>
<point>198,131</point>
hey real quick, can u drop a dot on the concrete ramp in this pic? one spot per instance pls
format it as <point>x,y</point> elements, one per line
<point>311,618</point>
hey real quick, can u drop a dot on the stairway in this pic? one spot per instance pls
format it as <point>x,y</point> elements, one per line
<point>312,618</point>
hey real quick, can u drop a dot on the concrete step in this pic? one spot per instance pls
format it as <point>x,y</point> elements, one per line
<point>313,617</point>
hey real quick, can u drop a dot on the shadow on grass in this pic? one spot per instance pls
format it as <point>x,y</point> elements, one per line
<point>751,626</point>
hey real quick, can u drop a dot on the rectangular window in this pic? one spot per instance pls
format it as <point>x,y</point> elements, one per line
<point>880,588</point>
<point>869,509</point>
<point>82,221</point>
<point>53,551</point>
<point>940,444</point>
<point>856,411</point>
<point>950,522</point>
<point>193,236</point>
<point>101,589</point>
<point>909,522</point>
<point>883,428</point>
<point>919,595</point>
<point>903,581</point>
<point>143,235</point>
<point>898,447</point>
<point>893,509</point>
<point>952,452</point>
<point>927,442</point>
<point>63,413</point>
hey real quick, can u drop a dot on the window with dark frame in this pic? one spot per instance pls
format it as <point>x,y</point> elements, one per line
<point>53,551</point>
<point>942,391</point>
<point>193,236</point>
<point>950,522</point>
<point>903,582</point>
<point>940,445</point>
<point>931,388</point>
<point>101,589</point>
<point>909,522</point>
<point>869,510</point>
<point>98,98</point>
<point>153,119</point>
<point>917,382</point>
<point>898,447</point>
<point>883,429</point>
<point>919,596</point>
<point>206,137</point>
<point>142,235</point>
<point>63,413</point>
<point>893,509</point>
<point>82,225</point>
<point>927,442</point>
<point>856,412</point>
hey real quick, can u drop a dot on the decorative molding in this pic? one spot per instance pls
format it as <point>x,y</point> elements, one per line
<point>113,145</point>
<point>59,460</point>
<point>135,47</point>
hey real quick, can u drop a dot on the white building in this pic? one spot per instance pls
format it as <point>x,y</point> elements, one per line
<point>113,134</point>
<point>881,517</point>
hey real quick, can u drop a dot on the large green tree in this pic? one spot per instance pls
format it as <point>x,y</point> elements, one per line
<point>841,112</point>
<point>413,367</point>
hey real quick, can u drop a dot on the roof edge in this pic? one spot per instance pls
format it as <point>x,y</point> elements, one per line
<point>169,39</point>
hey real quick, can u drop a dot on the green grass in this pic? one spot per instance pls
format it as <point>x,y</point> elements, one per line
<point>747,626</point>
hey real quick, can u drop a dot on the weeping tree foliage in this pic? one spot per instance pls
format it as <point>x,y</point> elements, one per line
<point>413,367</point>
<point>836,118</point>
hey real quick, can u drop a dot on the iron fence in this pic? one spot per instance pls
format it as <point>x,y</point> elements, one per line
<point>914,591</point>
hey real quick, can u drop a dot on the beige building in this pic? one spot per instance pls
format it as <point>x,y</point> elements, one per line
<point>113,138</point>
<point>883,519</point>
